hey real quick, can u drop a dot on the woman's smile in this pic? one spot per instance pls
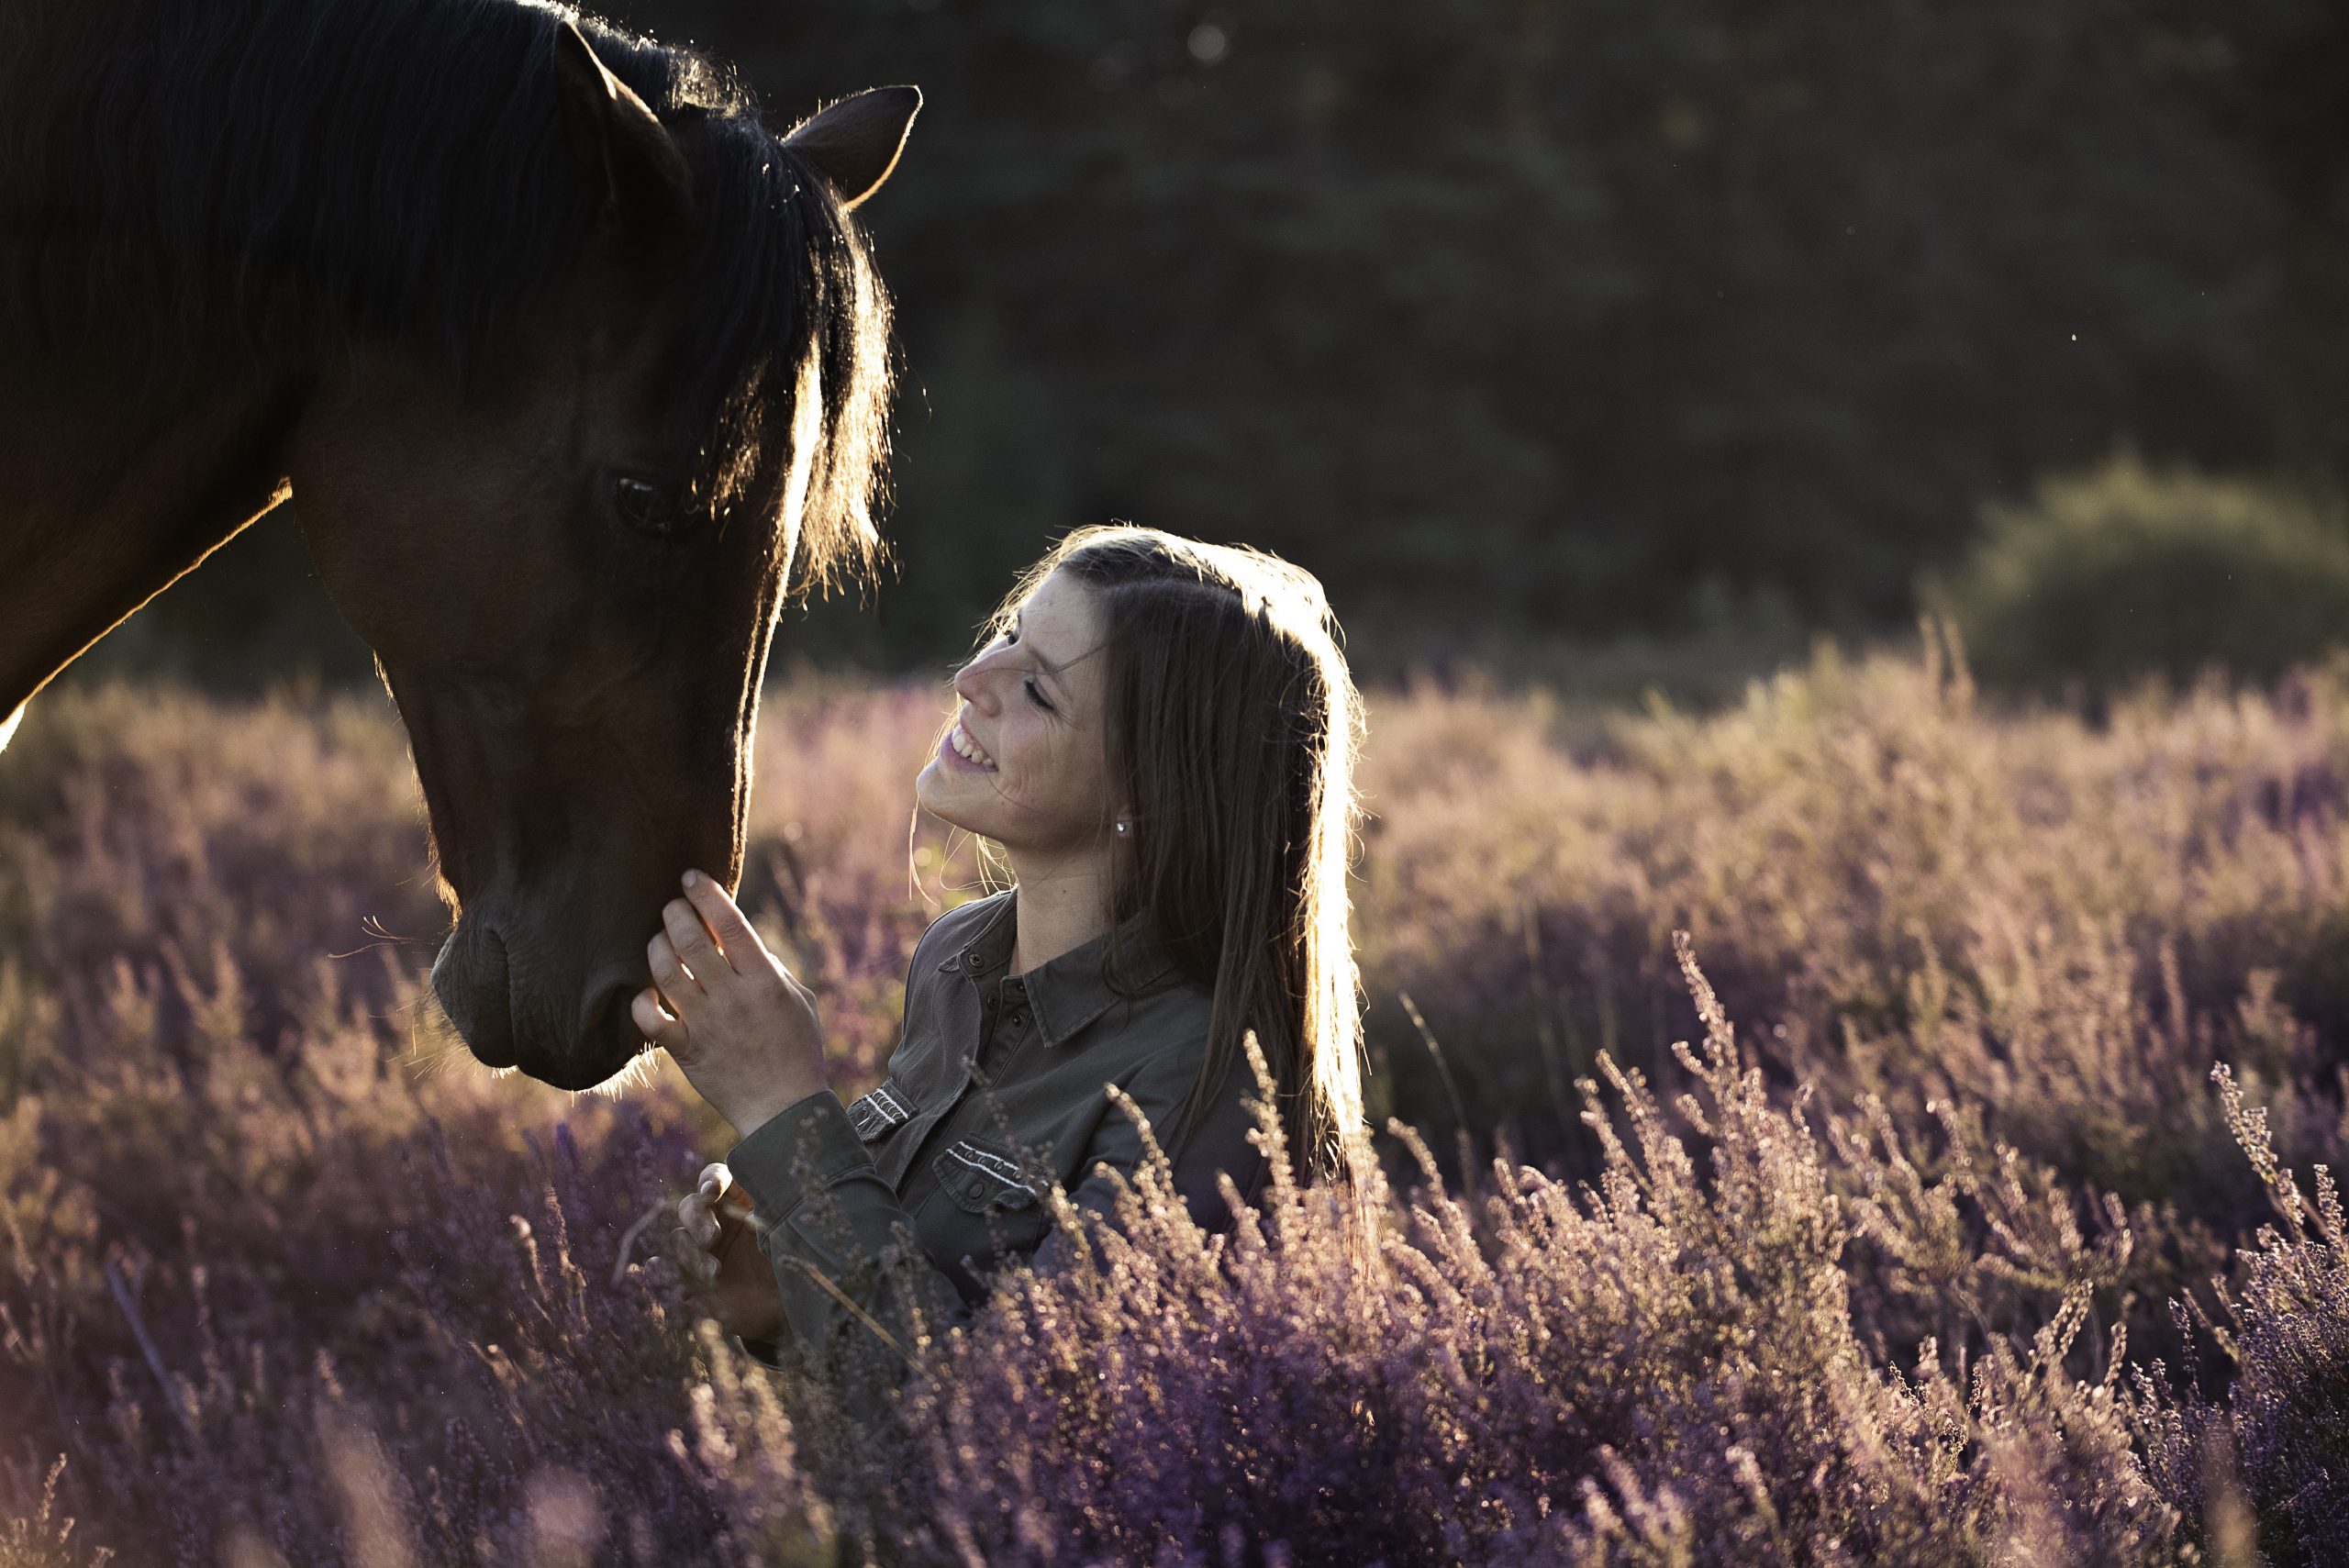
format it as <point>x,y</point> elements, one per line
<point>1022,762</point>
<point>959,748</point>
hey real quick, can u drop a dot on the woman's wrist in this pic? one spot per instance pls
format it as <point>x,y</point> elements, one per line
<point>750,1115</point>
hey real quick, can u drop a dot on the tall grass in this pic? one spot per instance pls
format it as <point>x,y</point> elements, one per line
<point>1915,1265</point>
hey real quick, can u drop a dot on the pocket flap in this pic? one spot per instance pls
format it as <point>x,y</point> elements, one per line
<point>883,1111</point>
<point>979,1177</point>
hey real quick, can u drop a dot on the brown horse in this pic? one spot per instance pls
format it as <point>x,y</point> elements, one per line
<point>572,367</point>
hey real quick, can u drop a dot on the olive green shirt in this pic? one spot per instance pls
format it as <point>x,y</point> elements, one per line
<point>997,1090</point>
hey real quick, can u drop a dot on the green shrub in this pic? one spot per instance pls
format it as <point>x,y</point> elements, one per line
<point>2124,572</point>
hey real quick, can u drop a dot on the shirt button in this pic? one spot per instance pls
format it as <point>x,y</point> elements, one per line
<point>1017,1020</point>
<point>977,1188</point>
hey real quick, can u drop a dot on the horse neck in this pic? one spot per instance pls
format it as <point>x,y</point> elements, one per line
<point>119,480</point>
<point>120,474</point>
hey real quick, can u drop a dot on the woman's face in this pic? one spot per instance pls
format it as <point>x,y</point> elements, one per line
<point>1024,764</point>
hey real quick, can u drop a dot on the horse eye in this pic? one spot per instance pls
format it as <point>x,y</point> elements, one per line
<point>645,506</point>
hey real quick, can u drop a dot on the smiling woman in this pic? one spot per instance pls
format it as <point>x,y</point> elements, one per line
<point>1159,736</point>
<point>1036,784</point>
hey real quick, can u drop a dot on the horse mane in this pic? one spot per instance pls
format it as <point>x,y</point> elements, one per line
<point>399,168</point>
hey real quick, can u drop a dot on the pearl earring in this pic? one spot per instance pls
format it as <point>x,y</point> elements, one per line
<point>1121,826</point>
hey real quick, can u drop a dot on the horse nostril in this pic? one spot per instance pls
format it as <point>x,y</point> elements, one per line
<point>472,978</point>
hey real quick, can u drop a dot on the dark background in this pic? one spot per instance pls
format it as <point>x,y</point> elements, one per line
<point>1539,323</point>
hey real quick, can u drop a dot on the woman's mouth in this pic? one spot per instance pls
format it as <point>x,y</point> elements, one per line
<point>958,743</point>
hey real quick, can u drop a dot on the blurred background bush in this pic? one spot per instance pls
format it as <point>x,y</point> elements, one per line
<point>1619,322</point>
<point>2124,572</point>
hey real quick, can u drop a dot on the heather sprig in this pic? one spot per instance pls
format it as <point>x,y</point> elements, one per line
<point>2272,1461</point>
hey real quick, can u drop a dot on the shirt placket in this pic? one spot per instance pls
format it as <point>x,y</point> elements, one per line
<point>972,967</point>
<point>1005,1018</point>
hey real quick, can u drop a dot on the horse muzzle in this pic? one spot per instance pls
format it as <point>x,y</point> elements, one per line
<point>517,1007</point>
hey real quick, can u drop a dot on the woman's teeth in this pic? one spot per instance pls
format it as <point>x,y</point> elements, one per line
<point>967,747</point>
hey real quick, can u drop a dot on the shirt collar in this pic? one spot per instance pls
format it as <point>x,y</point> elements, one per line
<point>1071,991</point>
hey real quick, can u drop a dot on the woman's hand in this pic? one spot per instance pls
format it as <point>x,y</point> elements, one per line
<point>743,1029</point>
<point>717,1250</point>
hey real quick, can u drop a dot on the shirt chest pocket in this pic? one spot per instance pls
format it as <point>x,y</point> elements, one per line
<point>981,1176</point>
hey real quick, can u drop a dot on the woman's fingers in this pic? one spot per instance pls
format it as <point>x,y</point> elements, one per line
<point>724,918</point>
<point>692,1260</point>
<point>669,969</point>
<point>699,1220</point>
<point>689,939</point>
<point>658,1024</point>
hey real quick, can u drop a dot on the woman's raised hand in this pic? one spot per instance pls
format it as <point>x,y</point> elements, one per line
<point>725,1008</point>
<point>716,1248</point>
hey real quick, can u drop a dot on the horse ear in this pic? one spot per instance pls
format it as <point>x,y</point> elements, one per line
<point>854,144</point>
<point>648,184</point>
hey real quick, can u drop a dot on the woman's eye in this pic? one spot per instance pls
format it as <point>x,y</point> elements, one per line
<point>1034,696</point>
<point>647,507</point>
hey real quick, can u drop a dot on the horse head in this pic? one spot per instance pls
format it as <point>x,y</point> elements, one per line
<point>570,557</point>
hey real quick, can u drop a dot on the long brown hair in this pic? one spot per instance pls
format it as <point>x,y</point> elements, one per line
<point>1232,728</point>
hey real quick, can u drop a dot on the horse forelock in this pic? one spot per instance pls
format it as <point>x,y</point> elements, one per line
<point>399,167</point>
<point>787,308</point>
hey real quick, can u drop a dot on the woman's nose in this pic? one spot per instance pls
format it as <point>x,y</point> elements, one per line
<point>973,686</point>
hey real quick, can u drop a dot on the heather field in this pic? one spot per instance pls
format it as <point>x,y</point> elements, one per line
<point>1955,1193</point>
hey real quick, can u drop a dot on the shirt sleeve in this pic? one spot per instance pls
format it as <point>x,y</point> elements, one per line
<point>847,1263</point>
